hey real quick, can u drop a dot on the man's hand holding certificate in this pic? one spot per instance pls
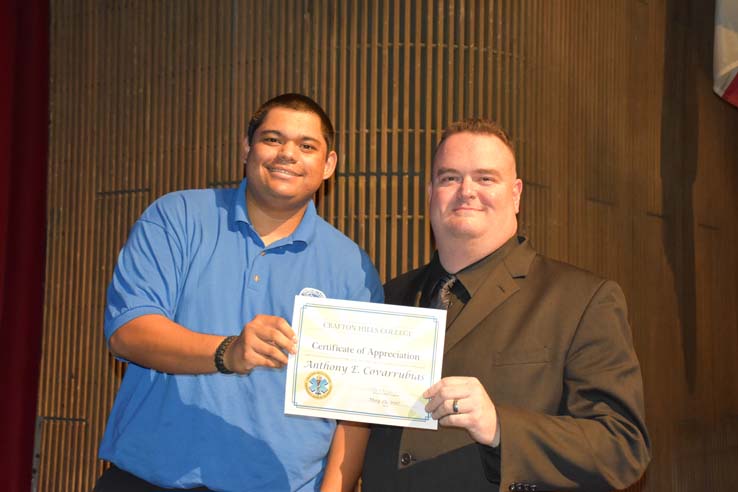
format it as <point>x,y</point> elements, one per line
<point>364,362</point>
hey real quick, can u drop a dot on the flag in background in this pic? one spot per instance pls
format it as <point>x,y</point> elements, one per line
<point>725,59</point>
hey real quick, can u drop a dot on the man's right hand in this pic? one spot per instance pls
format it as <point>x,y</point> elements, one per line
<point>264,341</point>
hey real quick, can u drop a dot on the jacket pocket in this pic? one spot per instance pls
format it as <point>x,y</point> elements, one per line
<point>516,357</point>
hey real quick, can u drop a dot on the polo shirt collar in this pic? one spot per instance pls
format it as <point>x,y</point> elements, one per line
<point>305,230</point>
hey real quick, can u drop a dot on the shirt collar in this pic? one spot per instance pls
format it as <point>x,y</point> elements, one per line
<point>238,207</point>
<point>471,277</point>
<point>305,230</point>
<point>475,274</point>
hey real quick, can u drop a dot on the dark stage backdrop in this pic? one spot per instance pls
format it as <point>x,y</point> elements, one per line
<point>629,162</point>
<point>24,90</point>
<point>24,96</point>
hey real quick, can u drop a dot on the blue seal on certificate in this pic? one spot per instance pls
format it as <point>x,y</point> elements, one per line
<point>318,384</point>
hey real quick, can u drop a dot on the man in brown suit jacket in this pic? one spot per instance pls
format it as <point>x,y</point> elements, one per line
<point>541,387</point>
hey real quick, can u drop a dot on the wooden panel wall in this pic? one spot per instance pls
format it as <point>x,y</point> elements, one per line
<point>629,163</point>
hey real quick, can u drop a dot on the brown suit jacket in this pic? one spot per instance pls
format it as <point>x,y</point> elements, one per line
<point>552,346</point>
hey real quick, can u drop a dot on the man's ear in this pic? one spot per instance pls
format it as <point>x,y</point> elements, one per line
<point>517,191</point>
<point>245,153</point>
<point>429,186</point>
<point>330,165</point>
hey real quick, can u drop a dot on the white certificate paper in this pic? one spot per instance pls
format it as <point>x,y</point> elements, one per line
<point>363,361</point>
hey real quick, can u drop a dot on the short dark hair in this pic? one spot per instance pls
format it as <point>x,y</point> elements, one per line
<point>481,126</point>
<point>297,102</point>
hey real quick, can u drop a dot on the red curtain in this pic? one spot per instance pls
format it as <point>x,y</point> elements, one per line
<point>24,122</point>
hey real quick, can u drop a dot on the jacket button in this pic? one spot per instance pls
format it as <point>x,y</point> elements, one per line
<point>406,458</point>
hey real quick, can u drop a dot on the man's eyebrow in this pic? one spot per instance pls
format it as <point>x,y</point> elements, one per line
<point>488,171</point>
<point>482,170</point>
<point>442,170</point>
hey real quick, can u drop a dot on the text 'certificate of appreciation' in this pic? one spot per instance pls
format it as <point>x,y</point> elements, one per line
<point>363,361</point>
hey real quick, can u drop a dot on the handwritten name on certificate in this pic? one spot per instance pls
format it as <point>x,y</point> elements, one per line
<point>364,362</point>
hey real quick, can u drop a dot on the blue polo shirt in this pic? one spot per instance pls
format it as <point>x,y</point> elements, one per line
<point>194,258</point>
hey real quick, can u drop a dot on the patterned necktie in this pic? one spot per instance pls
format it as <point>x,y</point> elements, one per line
<point>442,292</point>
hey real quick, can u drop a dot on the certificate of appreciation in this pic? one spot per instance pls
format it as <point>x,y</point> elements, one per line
<point>363,361</point>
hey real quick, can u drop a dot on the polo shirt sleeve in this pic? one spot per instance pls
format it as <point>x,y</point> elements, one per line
<point>372,289</point>
<point>148,274</point>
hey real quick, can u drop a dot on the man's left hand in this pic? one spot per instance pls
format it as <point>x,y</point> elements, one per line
<point>463,402</point>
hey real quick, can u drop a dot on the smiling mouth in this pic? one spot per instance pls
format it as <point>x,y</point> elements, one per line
<point>282,170</point>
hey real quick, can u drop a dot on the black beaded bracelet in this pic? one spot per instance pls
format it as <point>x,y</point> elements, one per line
<point>220,352</point>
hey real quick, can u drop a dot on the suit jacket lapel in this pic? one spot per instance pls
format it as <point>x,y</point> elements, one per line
<point>414,293</point>
<point>498,286</point>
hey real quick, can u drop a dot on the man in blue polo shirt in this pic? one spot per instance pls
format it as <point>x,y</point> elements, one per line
<point>200,306</point>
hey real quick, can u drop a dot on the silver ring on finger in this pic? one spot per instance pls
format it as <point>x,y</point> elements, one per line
<point>455,406</point>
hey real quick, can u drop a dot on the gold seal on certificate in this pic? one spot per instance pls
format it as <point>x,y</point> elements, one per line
<point>364,362</point>
<point>318,384</point>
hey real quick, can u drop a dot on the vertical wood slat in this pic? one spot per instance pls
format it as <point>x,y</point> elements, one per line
<point>83,446</point>
<point>429,136</point>
<point>376,138</point>
<point>415,157</point>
